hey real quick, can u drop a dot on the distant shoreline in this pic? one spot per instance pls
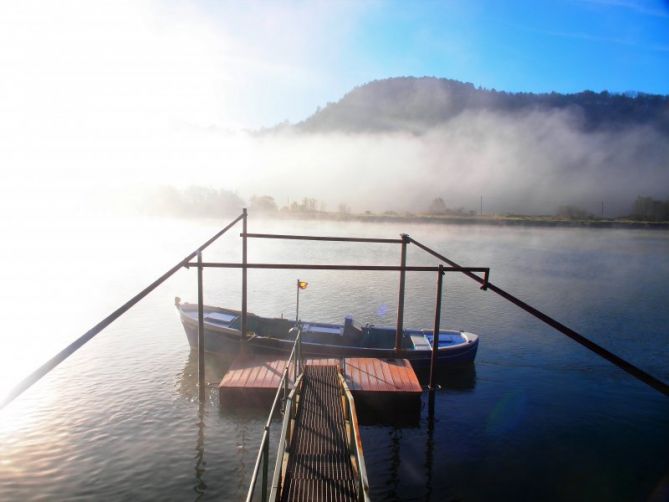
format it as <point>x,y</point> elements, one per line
<point>530,221</point>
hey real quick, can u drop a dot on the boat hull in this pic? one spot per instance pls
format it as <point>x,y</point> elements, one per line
<point>226,340</point>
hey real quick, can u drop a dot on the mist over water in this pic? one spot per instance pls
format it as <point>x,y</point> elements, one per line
<point>112,101</point>
<point>530,163</point>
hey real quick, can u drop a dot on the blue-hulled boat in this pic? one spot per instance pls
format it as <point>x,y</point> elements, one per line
<point>223,335</point>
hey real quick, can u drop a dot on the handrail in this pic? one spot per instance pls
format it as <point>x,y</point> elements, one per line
<point>286,438</point>
<point>355,440</point>
<point>45,368</point>
<point>263,451</point>
<point>321,238</point>
<point>371,268</point>
<point>621,363</point>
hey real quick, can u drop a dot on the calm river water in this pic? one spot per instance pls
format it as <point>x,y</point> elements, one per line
<point>539,417</point>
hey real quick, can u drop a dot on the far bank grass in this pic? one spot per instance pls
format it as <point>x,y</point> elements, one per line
<point>499,220</point>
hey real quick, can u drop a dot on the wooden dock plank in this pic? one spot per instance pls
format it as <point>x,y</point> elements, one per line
<point>261,374</point>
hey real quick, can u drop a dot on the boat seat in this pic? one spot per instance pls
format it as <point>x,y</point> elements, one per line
<point>420,342</point>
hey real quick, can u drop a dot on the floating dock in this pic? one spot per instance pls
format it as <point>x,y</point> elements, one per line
<point>253,379</point>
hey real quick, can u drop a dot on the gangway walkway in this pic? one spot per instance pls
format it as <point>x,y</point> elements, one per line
<point>319,465</point>
<point>319,455</point>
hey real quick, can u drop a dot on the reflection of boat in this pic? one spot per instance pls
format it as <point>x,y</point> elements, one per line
<point>222,334</point>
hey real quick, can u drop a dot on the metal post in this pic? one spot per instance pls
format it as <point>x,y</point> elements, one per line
<point>437,318</point>
<point>299,347</point>
<point>244,263</point>
<point>265,462</point>
<point>285,389</point>
<point>200,327</point>
<point>297,307</point>
<point>400,304</point>
<point>430,404</point>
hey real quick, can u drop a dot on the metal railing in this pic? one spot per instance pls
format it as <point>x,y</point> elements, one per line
<point>354,440</point>
<point>286,438</point>
<point>286,397</point>
<point>618,361</point>
<point>36,375</point>
<point>471,272</point>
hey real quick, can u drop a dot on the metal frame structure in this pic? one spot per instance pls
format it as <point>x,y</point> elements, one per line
<point>471,272</point>
<point>45,368</point>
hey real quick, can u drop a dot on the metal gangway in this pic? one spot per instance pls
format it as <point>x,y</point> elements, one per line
<point>319,453</point>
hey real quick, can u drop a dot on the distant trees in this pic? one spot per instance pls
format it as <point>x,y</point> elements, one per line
<point>195,201</point>
<point>308,205</point>
<point>263,204</point>
<point>649,209</point>
<point>344,209</point>
<point>573,213</point>
<point>437,206</point>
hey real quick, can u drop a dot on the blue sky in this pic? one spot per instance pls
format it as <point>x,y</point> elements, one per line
<point>536,46</point>
<point>523,45</point>
<point>235,64</point>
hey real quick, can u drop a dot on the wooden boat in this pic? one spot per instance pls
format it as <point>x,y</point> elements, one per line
<point>223,335</point>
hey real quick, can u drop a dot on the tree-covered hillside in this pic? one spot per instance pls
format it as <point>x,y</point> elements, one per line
<point>417,104</point>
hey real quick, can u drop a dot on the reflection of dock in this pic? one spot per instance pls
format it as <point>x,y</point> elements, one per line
<point>254,379</point>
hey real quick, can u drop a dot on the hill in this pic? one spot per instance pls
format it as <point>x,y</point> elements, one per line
<point>419,104</point>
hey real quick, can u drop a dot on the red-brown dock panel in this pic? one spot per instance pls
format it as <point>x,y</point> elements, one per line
<point>364,374</point>
<point>254,378</point>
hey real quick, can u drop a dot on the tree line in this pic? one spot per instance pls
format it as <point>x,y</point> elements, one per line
<point>206,201</point>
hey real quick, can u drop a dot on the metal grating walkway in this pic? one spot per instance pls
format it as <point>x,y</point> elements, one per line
<point>319,464</point>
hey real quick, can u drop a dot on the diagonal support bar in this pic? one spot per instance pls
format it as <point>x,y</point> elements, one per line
<point>621,363</point>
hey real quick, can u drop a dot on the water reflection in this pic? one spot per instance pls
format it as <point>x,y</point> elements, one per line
<point>215,366</point>
<point>200,463</point>
<point>458,379</point>
<point>429,447</point>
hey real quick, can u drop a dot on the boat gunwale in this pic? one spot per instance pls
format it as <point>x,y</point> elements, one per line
<point>276,344</point>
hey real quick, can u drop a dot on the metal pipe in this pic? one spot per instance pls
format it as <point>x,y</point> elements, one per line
<point>400,302</point>
<point>244,269</point>
<point>626,366</point>
<point>285,386</point>
<point>45,368</point>
<point>297,303</point>
<point>308,266</point>
<point>435,334</point>
<point>200,327</point>
<point>265,465</point>
<point>319,238</point>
